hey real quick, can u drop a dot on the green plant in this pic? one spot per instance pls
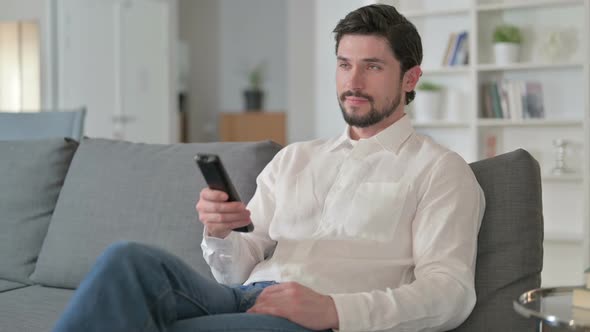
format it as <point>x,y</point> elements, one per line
<point>506,33</point>
<point>256,77</point>
<point>428,86</point>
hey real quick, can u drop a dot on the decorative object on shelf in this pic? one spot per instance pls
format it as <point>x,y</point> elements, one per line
<point>581,296</point>
<point>491,145</point>
<point>558,45</point>
<point>507,39</point>
<point>428,102</point>
<point>254,95</point>
<point>552,46</point>
<point>560,167</point>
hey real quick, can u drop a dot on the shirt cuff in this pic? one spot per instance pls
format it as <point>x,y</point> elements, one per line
<point>216,244</point>
<point>353,313</point>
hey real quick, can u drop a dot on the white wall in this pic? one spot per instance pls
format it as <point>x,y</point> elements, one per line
<point>301,91</point>
<point>328,119</point>
<point>199,27</point>
<point>250,32</point>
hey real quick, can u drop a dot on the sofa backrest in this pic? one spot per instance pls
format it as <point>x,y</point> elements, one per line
<point>40,125</point>
<point>146,193</point>
<point>31,177</point>
<point>510,242</point>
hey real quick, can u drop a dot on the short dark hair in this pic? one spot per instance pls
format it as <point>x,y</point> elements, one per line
<point>385,21</point>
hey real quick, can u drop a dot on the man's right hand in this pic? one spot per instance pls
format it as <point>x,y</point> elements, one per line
<point>220,216</point>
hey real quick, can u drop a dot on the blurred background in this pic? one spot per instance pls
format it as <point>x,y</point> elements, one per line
<point>165,70</point>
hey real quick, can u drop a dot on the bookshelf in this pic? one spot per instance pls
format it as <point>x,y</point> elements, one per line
<point>565,81</point>
<point>529,123</point>
<point>530,66</point>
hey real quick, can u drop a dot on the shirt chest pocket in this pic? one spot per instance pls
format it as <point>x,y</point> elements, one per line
<point>376,210</point>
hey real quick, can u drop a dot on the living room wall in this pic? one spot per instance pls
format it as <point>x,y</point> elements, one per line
<point>226,38</point>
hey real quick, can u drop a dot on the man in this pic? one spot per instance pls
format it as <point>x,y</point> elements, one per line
<point>372,230</point>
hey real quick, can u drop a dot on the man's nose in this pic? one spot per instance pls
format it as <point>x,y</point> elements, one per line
<point>356,80</point>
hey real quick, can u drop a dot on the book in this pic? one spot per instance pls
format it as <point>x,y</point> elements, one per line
<point>581,298</point>
<point>486,102</point>
<point>462,54</point>
<point>457,50</point>
<point>533,100</point>
<point>450,45</point>
<point>505,100</point>
<point>496,101</point>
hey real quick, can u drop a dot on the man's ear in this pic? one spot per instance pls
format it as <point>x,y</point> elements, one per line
<point>411,78</point>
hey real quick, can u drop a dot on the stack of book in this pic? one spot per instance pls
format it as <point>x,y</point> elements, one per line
<point>581,302</point>
<point>457,53</point>
<point>512,99</point>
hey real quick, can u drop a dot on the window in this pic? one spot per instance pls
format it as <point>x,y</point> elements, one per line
<point>20,74</point>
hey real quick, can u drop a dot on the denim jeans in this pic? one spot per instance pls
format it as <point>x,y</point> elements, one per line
<point>135,287</point>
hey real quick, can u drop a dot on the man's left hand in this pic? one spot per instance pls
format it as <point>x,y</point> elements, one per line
<point>298,304</point>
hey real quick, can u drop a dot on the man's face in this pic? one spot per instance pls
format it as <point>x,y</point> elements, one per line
<point>368,80</point>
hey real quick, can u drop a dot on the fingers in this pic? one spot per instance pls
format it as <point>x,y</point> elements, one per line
<point>204,206</point>
<point>213,195</point>
<point>225,218</point>
<point>274,294</point>
<point>269,302</point>
<point>274,289</point>
<point>267,310</point>
<point>221,231</point>
<point>214,201</point>
<point>221,216</point>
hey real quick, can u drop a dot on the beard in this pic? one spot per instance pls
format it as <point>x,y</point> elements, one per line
<point>374,115</point>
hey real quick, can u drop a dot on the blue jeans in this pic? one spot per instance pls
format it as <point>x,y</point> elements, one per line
<point>135,287</point>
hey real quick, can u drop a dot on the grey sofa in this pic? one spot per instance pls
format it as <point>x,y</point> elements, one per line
<point>62,203</point>
<point>43,124</point>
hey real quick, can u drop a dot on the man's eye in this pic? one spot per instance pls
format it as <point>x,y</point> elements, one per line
<point>344,65</point>
<point>374,67</point>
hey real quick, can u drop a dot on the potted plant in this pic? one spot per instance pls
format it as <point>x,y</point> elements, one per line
<point>254,95</point>
<point>428,102</point>
<point>507,39</point>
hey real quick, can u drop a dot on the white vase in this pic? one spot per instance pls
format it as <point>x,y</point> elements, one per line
<point>506,53</point>
<point>427,106</point>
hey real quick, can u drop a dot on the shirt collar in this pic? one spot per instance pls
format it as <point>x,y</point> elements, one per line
<point>391,138</point>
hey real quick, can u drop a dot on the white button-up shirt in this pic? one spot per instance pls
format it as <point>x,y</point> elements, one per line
<point>387,226</point>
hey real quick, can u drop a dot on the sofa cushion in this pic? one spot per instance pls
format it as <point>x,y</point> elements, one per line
<point>510,242</point>
<point>31,177</point>
<point>137,192</point>
<point>6,285</point>
<point>34,308</point>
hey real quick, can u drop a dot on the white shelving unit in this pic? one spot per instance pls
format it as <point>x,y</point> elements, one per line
<point>529,123</point>
<point>566,90</point>
<point>441,124</point>
<point>530,66</point>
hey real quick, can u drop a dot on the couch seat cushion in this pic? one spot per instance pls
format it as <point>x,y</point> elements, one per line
<point>33,308</point>
<point>137,192</point>
<point>6,285</point>
<point>31,177</point>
